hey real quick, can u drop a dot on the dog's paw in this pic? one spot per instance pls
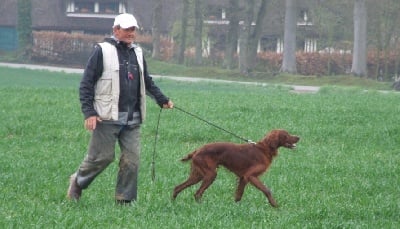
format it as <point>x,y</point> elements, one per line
<point>198,199</point>
<point>274,204</point>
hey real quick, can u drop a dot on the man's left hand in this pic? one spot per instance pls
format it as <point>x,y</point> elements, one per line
<point>169,105</point>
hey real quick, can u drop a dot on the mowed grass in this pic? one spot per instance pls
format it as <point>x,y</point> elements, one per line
<point>343,174</point>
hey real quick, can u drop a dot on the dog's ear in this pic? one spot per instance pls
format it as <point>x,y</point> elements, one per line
<point>272,139</point>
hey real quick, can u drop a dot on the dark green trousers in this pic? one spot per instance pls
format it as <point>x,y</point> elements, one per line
<point>101,153</point>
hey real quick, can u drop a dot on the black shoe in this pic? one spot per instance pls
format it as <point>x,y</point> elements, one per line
<point>123,202</point>
<point>74,191</point>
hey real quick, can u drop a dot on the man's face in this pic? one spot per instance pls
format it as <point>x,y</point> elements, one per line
<point>125,35</point>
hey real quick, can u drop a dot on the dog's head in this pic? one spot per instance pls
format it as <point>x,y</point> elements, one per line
<point>278,138</point>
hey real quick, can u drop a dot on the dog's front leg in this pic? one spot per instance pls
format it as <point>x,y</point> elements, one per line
<point>257,183</point>
<point>240,189</point>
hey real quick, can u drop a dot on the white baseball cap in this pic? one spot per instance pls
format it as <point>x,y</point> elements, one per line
<point>125,21</point>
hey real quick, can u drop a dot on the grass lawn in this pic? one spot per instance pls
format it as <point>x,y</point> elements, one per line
<point>343,174</point>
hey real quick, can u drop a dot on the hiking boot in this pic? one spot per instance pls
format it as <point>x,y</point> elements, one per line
<point>123,202</point>
<point>74,191</point>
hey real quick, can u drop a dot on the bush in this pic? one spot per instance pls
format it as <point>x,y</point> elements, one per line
<point>379,66</point>
<point>383,66</point>
<point>74,48</point>
<point>309,63</point>
<point>62,48</point>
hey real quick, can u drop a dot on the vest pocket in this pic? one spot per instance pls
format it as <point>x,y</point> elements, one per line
<point>103,106</point>
<point>104,85</point>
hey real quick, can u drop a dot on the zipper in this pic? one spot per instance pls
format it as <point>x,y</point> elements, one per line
<point>129,79</point>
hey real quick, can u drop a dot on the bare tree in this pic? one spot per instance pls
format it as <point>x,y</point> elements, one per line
<point>250,35</point>
<point>244,36</point>
<point>256,35</point>
<point>233,33</point>
<point>359,65</point>
<point>330,19</point>
<point>289,39</point>
<point>198,31</point>
<point>24,28</point>
<point>157,17</point>
<point>185,18</point>
<point>383,19</point>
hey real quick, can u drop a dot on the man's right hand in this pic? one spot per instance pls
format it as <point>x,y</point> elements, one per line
<point>91,122</point>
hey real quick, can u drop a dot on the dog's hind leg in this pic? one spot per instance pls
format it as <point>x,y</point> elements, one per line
<point>258,184</point>
<point>240,189</point>
<point>207,181</point>
<point>194,178</point>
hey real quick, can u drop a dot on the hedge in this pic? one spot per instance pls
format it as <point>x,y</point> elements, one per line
<point>74,49</point>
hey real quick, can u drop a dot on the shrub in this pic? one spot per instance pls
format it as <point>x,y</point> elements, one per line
<point>379,65</point>
<point>62,48</point>
<point>74,48</point>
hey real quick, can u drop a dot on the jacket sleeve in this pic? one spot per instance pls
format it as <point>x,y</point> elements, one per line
<point>152,89</point>
<point>93,71</point>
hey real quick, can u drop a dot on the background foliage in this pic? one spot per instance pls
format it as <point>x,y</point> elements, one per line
<point>74,49</point>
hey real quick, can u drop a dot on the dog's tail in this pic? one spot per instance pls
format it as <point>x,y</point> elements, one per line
<point>188,157</point>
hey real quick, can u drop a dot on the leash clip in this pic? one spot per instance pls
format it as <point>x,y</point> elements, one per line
<point>250,141</point>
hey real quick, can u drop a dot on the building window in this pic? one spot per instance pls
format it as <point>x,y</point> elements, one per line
<point>111,7</point>
<point>70,6</point>
<point>304,18</point>
<point>223,14</point>
<point>214,13</point>
<point>84,7</point>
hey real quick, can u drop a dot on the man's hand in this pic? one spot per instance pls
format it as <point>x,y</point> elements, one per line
<point>91,122</point>
<point>169,105</point>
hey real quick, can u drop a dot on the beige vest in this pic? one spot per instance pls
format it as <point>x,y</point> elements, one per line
<point>107,87</point>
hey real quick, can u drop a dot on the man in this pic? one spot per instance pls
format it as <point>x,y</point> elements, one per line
<point>112,95</point>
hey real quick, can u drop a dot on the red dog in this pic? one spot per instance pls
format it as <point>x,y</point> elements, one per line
<point>247,161</point>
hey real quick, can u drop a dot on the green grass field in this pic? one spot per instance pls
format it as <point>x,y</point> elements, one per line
<point>343,174</point>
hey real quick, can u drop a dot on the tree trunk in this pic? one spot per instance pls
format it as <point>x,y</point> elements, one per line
<point>185,18</point>
<point>256,35</point>
<point>157,13</point>
<point>233,34</point>
<point>359,65</point>
<point>390,18</point>
<point>198,31</point>
<point>24,29</point>
<point>289,40</point>
<point>397,59</point>
<point>245,33</point>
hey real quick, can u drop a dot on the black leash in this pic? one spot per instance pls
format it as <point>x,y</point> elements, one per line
<point>153,163</point>
<point>218,127</point>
